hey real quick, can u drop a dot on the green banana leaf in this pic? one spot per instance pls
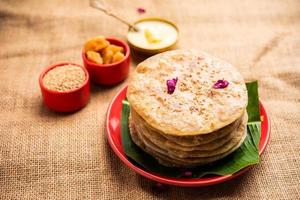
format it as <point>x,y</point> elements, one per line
<point>246,155</point>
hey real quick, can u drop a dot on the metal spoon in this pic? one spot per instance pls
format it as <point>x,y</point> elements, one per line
<point>98,4</point>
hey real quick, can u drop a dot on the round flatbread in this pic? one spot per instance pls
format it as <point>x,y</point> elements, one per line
<point>178,162</point>
<point>239,134</point>
<point>187,143</point>
<point>195,107</point>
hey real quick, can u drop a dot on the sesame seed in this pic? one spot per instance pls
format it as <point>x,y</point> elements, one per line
<point>64,78</point>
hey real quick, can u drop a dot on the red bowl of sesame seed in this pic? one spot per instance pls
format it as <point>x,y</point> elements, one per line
<point>65,87</point>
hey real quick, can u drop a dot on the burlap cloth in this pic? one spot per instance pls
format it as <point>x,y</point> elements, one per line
<point>44,155</point>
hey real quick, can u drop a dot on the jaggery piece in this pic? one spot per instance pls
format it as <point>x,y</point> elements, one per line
<point>96,44</point>
<point>113,48</point>
<point>107,56</point>
<point>94,57</point>
<point>118,57</point>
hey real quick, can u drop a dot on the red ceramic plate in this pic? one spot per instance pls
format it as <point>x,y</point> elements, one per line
<point>113,131</point>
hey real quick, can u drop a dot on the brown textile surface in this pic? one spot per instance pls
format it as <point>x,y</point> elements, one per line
<point>45,155</point>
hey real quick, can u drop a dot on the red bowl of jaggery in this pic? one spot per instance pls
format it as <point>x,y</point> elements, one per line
<point>109,74</point>
<point>65,87</point>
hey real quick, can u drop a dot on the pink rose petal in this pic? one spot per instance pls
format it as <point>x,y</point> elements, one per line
<point>159,188</point>
<point>221,84</point>
<point>141,10</point>
<point>171,85</point>
<point>188,174</point>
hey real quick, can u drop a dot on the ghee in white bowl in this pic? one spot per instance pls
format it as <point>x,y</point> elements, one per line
<point>154,35</point>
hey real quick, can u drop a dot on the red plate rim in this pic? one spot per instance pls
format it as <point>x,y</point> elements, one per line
<point>186,182</point>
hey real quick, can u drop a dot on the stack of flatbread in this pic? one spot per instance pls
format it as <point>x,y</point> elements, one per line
<point>197,122</point>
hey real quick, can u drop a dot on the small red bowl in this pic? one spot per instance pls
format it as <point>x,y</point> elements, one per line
<point>109,74</point>
<point>68,101</point>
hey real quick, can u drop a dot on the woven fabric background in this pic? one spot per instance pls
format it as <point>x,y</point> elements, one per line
<point>45,155</point>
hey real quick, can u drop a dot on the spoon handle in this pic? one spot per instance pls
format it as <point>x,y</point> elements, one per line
<point>122,20</point>
<point>98,5</point>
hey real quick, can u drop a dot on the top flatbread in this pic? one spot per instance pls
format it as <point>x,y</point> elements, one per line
<point>195,107</point>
